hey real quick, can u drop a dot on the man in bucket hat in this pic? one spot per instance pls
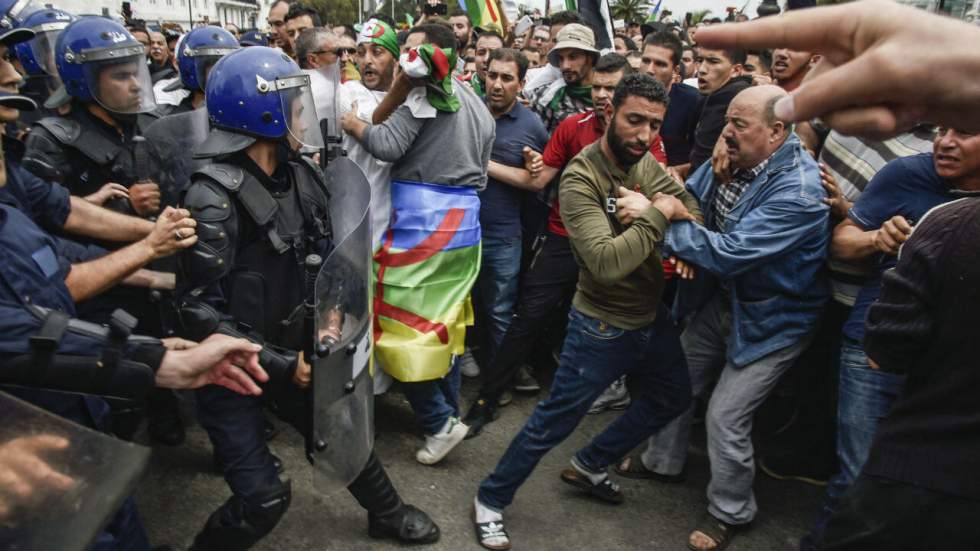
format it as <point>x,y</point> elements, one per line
<point>574,54</point>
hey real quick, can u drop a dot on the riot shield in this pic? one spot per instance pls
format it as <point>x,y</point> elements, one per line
<point>343,397</point>
<point>171,142</point>
<point>61,482</point>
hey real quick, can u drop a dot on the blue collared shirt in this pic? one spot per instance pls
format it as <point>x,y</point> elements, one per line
<point>500,209</point>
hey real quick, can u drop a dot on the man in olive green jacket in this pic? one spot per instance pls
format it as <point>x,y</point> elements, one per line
<point>617,203</point>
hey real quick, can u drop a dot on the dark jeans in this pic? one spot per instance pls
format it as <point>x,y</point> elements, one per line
<point>881,514</point>
<point>866,396</point>
<point>497,286</point>
<point>548,284</point>
<point>434,402</point>
<point>593,356</point>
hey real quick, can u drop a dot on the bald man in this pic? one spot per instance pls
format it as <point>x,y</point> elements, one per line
<point>753,290</point>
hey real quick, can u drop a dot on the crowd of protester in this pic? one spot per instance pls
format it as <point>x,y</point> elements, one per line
<point>753,232</point>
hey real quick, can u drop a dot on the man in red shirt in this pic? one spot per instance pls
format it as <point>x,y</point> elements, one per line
<point>549,281</point>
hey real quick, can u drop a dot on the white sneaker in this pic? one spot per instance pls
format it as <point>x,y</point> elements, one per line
<point>467,365</point>
<point>437,446</point>
<point>614,397</point>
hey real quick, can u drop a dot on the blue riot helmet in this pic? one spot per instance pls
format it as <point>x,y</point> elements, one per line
<point>99,61</point>
<point>12,14</point>
<point>259,92</point>
<point>199,51</point>
<point>37,55</point>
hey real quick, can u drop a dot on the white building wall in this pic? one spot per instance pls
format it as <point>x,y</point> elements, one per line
<point>176,11</point>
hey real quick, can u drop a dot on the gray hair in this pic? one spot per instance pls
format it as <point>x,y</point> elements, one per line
<point>309,41</point>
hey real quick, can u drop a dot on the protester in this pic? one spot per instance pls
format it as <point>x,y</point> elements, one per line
<point>445,120</point>
<point>277,22</point>
<point>790,67</point>
<point>755,294</point>
<point>611,332</point>
<point>574,54</point>
<point>298,18</point>
<point>661,60</point>
<point>533,56</point>
<point>719,81</point>
<point>486,43</point>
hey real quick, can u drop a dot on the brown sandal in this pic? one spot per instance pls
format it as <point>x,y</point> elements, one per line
<point>633,467</point>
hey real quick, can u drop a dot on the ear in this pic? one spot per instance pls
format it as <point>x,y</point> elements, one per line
<point>738,70</point>
<point>814,59</point>
<point>778,130</point>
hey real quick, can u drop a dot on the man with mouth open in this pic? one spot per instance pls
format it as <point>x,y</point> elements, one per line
<point>790,66</point>
<point>720,79</point>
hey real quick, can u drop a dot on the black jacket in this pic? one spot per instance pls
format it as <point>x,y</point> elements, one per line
<point>711,120</point>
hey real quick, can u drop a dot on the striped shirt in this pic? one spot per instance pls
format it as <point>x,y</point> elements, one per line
<point>853,162</point>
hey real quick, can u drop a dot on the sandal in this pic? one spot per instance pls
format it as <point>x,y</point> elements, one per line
<point>606,490</point>
<point>488,531</point>
<point>720,533</point>
<point>633,467</point>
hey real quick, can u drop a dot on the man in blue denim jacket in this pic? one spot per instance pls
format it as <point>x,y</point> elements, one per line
<point>753,304</point>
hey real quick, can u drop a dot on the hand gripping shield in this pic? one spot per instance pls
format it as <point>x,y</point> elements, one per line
<point>64,481</point>
<point>343,400</point>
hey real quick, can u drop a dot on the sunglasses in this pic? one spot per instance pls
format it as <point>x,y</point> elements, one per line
<point>342,51</point>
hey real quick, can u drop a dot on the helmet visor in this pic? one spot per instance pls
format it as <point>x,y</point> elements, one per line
<point>42,46</point>
<point>299,109</point>
<point>121,84</point>
<point>204,60</point>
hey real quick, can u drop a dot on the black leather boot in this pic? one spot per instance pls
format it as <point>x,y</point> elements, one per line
<point>388,516</point>
<point>241,522</point>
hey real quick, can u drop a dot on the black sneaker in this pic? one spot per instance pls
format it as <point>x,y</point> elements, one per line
<point>525,383</point>
<point>793,467</point>
<point>607,490</point>
<point>481,413</point>
<point>166,429</point>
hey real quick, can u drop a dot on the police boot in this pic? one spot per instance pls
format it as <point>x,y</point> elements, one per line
<point>388,516</point>
<point>241,522</point>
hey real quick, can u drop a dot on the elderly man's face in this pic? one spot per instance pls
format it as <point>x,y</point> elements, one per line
<point>158,47</point>
<point>749,137</point>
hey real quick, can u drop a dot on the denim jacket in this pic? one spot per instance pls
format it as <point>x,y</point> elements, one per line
<point>770,256</point>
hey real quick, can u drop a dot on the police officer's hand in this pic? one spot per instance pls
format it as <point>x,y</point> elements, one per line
<point>26,476</point>
<point>107,192</point>
<point>173,230</point>
<point>145,198</point>
<point>218,360</point>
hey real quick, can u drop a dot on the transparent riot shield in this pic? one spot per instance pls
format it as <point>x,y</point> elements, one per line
<point>343,397</point>
<point>170,144</point>
<point>61,482</point>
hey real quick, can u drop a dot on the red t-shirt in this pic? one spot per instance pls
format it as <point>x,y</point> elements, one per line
<point>570,137</point>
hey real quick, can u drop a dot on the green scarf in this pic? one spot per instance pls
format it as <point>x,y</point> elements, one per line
<point>435,65</point>
<point>378,32</point>
<point>581,93</point>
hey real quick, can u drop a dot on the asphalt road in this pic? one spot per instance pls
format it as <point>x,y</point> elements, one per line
<point>180,491</point>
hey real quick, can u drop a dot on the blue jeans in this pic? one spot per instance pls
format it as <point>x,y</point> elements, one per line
<point>864,398</point>
<point>434,402</point>
<point>593,356</point>
<point>497,285</point>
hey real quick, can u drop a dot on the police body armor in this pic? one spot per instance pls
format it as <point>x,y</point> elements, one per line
<point>72,151</point>
<point>262,261</point>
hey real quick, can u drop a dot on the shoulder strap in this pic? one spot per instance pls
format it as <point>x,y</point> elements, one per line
<point>258,202</point>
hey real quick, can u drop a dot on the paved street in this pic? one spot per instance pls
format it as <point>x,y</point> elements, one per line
<point>180,491</point>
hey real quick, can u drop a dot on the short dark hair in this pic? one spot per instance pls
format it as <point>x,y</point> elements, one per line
<point>666,40</point>
<point>531,49</point>
<point>630,45</point>
<point>299,10</point>
<point>438,34</point>
<point>384,18</point>
<point>488,32</point>
<point>612,62</point>
<point>640,85</point>
<point>764,55</point>
<point>566,18</point>
<point>735,55</point>
<point>510,54</point>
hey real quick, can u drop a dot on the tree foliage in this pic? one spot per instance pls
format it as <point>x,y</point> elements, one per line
<point>630,10</point>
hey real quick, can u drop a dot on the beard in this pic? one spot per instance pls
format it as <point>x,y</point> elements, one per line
<point>619,147</point>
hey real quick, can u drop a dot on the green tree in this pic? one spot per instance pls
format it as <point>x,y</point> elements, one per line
<point>336,12</point>
<point>402,7</point>
<point>630,10</point>
<point>699,16</point>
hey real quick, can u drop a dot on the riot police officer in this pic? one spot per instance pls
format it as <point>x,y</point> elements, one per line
<point>198,52</point>
<point>36,58</point>
<point>103,69</point>
<point>261,209</point>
